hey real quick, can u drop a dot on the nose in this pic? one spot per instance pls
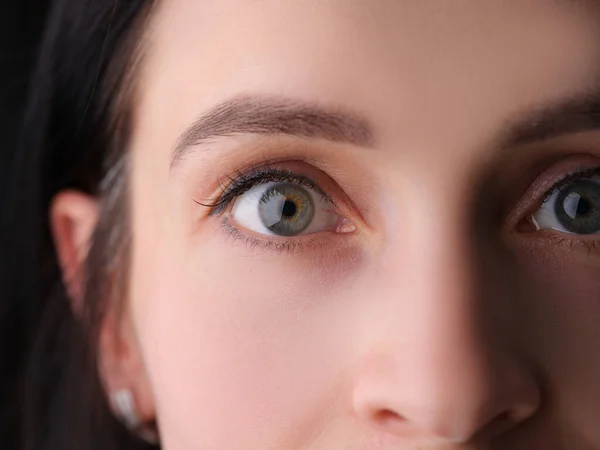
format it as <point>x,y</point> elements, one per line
<point>433,367</point>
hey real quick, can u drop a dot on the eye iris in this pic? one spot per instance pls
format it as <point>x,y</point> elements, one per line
<point>286,209</point>
<point>578,207</point>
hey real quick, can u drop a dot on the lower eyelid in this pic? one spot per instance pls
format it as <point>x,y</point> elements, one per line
<point>279,244</point>
<point>568,242</point>
<point>294,244</point>
<point>547,238</point>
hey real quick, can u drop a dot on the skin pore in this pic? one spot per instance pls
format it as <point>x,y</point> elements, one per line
<point>423,307</point>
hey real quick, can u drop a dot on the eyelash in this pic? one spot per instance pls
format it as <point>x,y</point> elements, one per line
<point>242,182</point>
<point>235,186</point>
<point>569,178</point>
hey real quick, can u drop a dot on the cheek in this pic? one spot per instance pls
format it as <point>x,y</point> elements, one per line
<point>565,314</point>
<point>225,332</point>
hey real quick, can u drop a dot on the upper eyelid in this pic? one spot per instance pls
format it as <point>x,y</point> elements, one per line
<point>569,178</point>
<point>244,181</point>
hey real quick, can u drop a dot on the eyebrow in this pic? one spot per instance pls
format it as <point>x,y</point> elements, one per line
<point>271,115</point>
<point>575,114</point>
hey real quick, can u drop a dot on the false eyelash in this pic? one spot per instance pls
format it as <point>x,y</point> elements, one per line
<point>570,178</point>
<point>239,184</point>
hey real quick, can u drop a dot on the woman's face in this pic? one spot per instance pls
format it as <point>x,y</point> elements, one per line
<point>369,225</point>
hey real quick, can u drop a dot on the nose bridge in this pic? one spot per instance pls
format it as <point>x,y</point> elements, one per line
<point>436,366</point>
<point>432,266</point>
<point>430,222</point>
<point>433,277</point>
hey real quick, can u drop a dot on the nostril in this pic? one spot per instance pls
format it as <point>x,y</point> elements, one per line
<point>387,417</point>
<point>499,424</point>
<point>504,418</point>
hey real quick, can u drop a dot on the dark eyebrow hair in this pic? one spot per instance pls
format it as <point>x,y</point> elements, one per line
<point>263,114</point>
<point>576,114</point>
<point>272,115</point>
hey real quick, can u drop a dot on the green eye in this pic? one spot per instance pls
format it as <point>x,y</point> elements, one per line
<point>283,209</point>
<point>286,209</point>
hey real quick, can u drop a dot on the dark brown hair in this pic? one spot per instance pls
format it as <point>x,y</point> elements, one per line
<point>75,134</point>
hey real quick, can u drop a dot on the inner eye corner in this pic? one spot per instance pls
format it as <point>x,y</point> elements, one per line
<point>526,225</point>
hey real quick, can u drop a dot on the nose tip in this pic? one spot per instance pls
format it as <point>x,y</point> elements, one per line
<point>461,412</point>
<point>450,426</point>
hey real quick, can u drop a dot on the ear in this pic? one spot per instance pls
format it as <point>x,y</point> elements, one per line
<point>73,218</point>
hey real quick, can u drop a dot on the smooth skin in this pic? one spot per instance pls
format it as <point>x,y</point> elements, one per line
<point>433,314</point>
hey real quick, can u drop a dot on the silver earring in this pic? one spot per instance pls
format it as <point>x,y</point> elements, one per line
<point>124,406</point>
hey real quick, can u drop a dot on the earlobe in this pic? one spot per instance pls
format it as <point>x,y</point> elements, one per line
<point>124,377</point>
<point>73,218</point>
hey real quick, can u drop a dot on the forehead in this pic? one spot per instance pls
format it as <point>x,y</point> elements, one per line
<point>408,65</point>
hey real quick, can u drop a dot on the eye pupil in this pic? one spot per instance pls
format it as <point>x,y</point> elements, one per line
<point>575,205</point>
<point>583,207</point>
<point>289,209</point>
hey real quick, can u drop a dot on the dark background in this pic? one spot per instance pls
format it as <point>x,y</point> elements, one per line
<point>21,23</point>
